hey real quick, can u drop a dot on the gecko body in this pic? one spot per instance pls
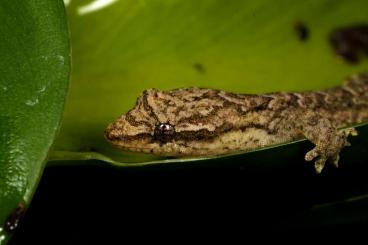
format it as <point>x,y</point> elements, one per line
<point>197,121</point>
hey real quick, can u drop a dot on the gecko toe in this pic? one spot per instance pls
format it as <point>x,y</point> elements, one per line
<point>335,160</point>
<point>312,154</point>
<point>320,164</point>
<point>350,131</point>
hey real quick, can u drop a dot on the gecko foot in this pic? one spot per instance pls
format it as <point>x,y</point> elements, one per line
<point>329,148</point>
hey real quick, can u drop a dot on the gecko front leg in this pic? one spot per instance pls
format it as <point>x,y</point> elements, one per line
<point>328,139</point>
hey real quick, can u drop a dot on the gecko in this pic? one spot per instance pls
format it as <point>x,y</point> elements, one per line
<point>204,122</point>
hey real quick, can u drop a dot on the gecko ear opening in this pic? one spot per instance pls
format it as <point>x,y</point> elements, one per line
<point>164,132</point>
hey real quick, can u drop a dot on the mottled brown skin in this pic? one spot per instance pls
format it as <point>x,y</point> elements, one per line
<point>213,122</point>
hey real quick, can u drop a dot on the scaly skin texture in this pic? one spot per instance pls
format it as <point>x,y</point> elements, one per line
<point>214,122</point>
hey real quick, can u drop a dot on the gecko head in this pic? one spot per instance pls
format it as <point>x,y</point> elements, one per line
<point>163,122</point>
<point>140,129</point>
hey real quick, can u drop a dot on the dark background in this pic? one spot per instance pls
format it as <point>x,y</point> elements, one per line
<point>88,204</point>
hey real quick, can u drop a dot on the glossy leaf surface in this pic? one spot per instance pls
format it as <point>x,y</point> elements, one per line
<point>34,75</point>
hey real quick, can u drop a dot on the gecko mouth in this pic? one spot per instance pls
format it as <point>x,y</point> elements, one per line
<point>140,144</point>
<point>144,137</point>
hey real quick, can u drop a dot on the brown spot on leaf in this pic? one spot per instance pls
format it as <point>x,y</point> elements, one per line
<point>199,67</point>
<point>350,42</point>
<point>301,31</point>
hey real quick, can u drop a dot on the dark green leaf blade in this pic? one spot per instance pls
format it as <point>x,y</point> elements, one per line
<point>34,74</point>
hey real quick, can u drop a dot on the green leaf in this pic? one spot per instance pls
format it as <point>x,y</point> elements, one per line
<point>123,48</point>
<point>34,73</point>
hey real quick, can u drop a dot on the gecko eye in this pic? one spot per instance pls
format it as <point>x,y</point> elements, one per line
<point>164,132</point>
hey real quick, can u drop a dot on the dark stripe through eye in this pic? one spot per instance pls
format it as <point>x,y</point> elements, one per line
<point>164,132</point>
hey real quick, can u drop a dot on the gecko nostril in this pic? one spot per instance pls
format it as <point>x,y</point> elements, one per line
<point>164,132</point>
